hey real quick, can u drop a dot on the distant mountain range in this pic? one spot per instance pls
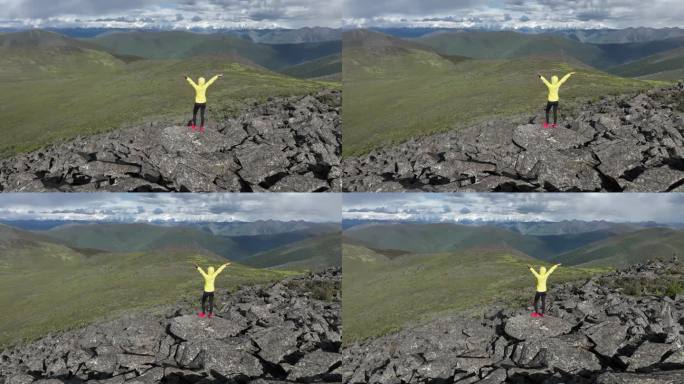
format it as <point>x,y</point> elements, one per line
<point>594,36</point>
<point>266,36</point>
<point>598,244</point>
<point>260,242</point>
<point>534,227</point>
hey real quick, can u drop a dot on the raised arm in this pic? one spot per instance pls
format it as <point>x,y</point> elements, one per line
<point>213,79</point>
<point>221,268</point>
<point>545,81</point>
<point>566,77</point>
<point>200,270</point>
<point>550,271</point>
<point>192,83</point>
<point>533,271</point>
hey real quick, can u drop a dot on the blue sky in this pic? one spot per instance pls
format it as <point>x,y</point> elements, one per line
<point>436,207</point>
<point>178,14</point>
<point>579,14</point>
<point>142,207</point>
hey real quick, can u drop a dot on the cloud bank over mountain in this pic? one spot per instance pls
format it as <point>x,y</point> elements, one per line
<point>170,14</point>
<point>526,207</point>
<point>147,207</point>
<point>514,14</point>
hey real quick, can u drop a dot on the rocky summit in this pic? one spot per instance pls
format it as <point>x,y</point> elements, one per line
<point>284,332</point>
<point>286,144</point>
<point>619,143</point>
<point>593,333</point>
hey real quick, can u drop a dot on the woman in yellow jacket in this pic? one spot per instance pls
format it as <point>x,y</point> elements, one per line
<point>208,294</point>
<point>200,99</point>
<point>541,277</point>
<point>553,98</point>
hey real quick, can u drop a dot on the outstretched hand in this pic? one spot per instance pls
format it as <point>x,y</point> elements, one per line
<point>572,73</point>
<point>220,75</point>
<point>559,264</point>
<point>226,264</point>
<point>195,265</point>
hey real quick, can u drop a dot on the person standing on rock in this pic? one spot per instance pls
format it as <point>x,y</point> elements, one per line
<point>200,99</point>
<point>553,98</point>
<point>541,277</point>
<point>208,294</point>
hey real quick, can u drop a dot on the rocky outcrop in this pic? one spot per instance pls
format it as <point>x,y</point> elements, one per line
<point>593,333</point>
<point>290,144</point>
<point>281,332</point>
<point>619,143</point>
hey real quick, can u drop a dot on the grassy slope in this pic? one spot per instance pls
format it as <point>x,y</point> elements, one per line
<point>506,44</point>
<point>143,237</point>
<point>392,95</point>
<point>628,249</point>
<point>45,287</point>
<point>312,254</point>
<point>57,93</point>
<point>319,68</point>
<point>431,238</point>
<point>664,66</point>
<point>382,295</point>
<point>178,44</point>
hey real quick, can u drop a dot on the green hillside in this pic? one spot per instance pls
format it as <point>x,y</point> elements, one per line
<point>181,44</point>
<point>143,237</point>
<point>54,94</point>
<point>508,44</point>
<point>446,237</point>
<point>382,295</point>
<point>667,65</point>
<point>311,254</point>
<point>47,287</point>
<point>627,249</point>
<point>401,91</point>
<point>324,67</point>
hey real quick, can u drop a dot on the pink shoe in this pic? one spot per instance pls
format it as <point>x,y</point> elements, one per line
<point>534,314</point>
<point>201,314</point>
<point>193,127</point>
<point>546,125</point>
<point>554,125</point>
<point>201,129</point>
<point>211,315</point>
<point>541,315</point>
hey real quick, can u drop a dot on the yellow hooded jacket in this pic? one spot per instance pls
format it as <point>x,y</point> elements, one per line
<point>542,276</point>
<point>210,277</point>
<point>554,85</point>
<point>201,88</point>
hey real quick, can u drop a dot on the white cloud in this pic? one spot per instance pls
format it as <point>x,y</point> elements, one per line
<point>435,207</point>
<point>215,207</point>
<point>512,14</point>
<point>165,14</point>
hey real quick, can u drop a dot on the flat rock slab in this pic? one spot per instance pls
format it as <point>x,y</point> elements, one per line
<point>525,327</point>
<point>193,328</point>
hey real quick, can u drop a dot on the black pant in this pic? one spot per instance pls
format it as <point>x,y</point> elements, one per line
<point>554,105</point>
<point>201,108</point>
<point>208,296</point>
<point>542,296</point>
